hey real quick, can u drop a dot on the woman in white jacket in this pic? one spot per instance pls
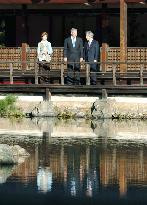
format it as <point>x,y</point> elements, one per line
<point>44,49</point>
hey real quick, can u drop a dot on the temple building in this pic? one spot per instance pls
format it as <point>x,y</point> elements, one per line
<point>22,21</point>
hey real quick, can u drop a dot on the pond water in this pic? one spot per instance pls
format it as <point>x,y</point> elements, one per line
<point>76,162</point>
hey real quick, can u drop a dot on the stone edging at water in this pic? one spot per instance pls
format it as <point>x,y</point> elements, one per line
<point>110,108</point>
<point>100,109</point>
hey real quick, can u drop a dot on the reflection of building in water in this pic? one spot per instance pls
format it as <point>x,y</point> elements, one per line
<point>75,168</point>
<point>123,167</point>
<point>27,171</point>
<point>84,169</point>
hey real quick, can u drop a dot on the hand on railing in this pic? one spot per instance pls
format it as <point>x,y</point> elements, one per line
<point>81,60</point>
<point>65,59</point>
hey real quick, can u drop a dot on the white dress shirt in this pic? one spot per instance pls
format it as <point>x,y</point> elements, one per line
<point>73,41</point>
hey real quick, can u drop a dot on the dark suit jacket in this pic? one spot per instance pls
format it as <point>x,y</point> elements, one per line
<point>73,53</point>
<point>91,53</point>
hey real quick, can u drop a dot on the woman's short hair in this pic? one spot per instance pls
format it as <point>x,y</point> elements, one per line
<point>44,34</point>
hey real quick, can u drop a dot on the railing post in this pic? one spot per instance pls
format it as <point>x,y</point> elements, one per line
<point>104,94</point>
<point>47,94</point>
<point>114,74</point>
<point>11,73</point>
<point>62,74</point>
<point>36,72</point>
<point>87,74</point>
<point>141,74</point>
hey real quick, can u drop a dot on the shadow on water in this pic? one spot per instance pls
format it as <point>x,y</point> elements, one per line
<point>77,162</point>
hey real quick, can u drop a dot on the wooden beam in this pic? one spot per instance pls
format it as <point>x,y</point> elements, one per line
<point>123,35</point>
<point>60,1</point>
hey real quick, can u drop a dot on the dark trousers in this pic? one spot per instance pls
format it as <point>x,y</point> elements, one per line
<point>44,69</point>
<point>73,70</point>
<point>93,74</point>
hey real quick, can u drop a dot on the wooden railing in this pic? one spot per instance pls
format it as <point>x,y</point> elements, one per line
<point>114,76</point>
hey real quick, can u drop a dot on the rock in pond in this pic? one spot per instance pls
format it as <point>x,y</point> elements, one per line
<point>12,154</point>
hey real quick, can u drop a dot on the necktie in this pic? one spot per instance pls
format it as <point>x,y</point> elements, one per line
<point>73,42</point>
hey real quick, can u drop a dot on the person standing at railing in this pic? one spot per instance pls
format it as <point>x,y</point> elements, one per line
<point>73,55</point>
<point>91,54</point>
<point>44,49</point>
<point>44,52</point>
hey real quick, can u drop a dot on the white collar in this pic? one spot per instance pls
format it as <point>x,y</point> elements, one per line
<point>73,38</point>
<point>44,42</point>
<point>90,41</point>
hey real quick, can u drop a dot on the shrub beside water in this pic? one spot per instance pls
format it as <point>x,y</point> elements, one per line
<point>8,107</point>
<point>65,114</point>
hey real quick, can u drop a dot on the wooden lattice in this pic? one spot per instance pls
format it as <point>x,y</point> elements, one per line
<point>57,58</point>
<point>10,54</point>
<point>31,57</point>
<point>135,55</point>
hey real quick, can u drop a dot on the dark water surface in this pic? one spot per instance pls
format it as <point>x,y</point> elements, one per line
<point>78,162</point>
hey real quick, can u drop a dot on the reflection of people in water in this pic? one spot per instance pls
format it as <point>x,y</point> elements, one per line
<point>44,179</point>
<point>73,187</point>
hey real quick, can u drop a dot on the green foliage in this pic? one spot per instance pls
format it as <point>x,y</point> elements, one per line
<point>65,114</point>
<point>8,107</point>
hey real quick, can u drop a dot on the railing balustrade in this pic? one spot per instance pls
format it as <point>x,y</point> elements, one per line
<point>61,73</point>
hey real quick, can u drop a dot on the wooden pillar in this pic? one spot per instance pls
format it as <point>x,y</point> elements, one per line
<point>25,27</point>
<point>123,35</point>
<point>24,56</point>
<point>104,51</point>
<point>105,36</point>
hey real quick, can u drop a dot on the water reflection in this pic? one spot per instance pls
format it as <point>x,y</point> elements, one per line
<point>5,172</point>
<point>44,179</point>
<point>103,161</point>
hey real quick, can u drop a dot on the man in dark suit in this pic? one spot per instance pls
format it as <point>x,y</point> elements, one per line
<point>73,55</point>
<point>91,54</point>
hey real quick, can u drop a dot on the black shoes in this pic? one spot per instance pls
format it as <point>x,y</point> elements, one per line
<point>77,83</point>
<point>74,83</point>
<point>93,83</point>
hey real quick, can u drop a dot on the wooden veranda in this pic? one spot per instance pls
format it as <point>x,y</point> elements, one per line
<point>20,73</point>
<point>123,69</point>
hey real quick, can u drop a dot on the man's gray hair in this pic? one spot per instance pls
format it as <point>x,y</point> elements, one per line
<point>89,33</point>
<point>73,29</point>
